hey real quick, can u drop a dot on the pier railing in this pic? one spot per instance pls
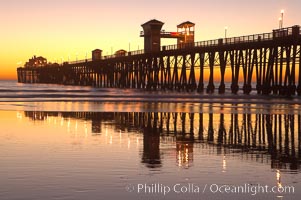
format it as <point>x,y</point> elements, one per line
<point>278,33</point>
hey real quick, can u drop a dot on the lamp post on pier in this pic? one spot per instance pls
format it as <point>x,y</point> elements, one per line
<point>280,21</point>
<point>282,15</point>
<point>226,29</point>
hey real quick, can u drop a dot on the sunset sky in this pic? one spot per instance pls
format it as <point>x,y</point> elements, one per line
<point>66,29</point>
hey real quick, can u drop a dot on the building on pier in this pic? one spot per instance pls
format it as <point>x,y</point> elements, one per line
<point>120,53</point>
<point>96,54</point>
<point>186,32</point>
<point>152,34</point>
<point>36,62</point>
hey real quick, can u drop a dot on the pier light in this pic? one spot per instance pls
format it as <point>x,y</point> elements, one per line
<point>282,15</point>
<point>226,29</point>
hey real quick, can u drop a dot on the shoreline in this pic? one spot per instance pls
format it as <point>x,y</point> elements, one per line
<point>160,107</point>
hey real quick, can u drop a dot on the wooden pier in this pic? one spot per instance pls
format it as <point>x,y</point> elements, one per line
<point>269,60</point>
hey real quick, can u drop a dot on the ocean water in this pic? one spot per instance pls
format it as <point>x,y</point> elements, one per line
<point>69,142</point>
<point>18,96</point>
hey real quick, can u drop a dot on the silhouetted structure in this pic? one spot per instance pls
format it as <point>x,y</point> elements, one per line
<point>36,62</point>
<point>96,54</point>
<point>120,52</point>
<point>186,33</point>
<point>272,59</point>
<point>152,35</point>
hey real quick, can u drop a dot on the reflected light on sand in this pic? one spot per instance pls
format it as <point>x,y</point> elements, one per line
<point>279,184</point>
<point>184,156</point>
<point>120,137</point>
<point>224,164</point>
<point>62,121</point>
<point>19,115</point>
<point>111,139</point>
<point>68,126</point>
<point>278,177</point>
<point>86,129</point>
<point>76,126</point>
<point>179,159</point>
<point>129,143</point>
<point>137,141</point>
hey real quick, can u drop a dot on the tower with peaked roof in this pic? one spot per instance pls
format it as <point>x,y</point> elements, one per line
<point>186,31</point>
<point>151,33</point>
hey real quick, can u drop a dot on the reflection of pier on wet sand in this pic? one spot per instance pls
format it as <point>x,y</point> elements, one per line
<point>274,136</point>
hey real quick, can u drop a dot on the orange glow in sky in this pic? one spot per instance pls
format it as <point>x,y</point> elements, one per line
<point>63,30</point>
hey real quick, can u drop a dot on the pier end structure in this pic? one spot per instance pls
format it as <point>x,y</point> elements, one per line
<point>151,33</point>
